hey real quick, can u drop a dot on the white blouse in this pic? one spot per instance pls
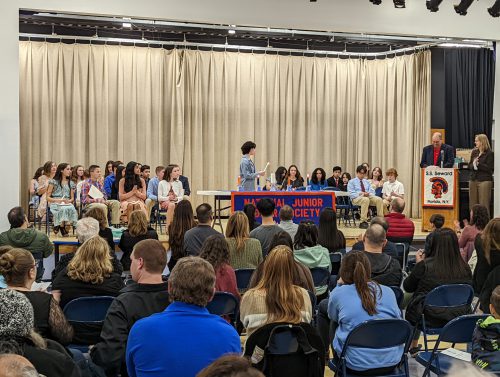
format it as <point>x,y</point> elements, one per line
<point>164,189</point>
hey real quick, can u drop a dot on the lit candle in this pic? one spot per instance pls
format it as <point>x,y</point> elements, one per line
<point>239,180</point>
<point>308,179</point>
<point>289,181</point>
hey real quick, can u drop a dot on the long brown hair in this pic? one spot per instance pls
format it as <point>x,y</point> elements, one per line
<point>216,251</point>
<point>239,229</point>
<point>74,174</point>
<point>355,269</point>
<point>137,223</point>
<point>284,300</point>
<point>92,262</point>
<point>183,221</point>
<point>491,238</point>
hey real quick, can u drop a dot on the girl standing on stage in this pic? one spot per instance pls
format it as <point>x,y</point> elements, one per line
<point>247,167</point>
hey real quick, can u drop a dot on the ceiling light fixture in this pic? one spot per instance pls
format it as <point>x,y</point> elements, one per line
<point>231,31</point>
<point>399,4</point>
<point>376,2</point>
<point>495,9</point>
<point>461,8</point>
<point>126,22</point>
<point>433,5</point>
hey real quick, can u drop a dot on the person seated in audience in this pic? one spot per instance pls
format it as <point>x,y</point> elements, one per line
<point>152,192</point>
<point>230,366</point>
<point>185,337</point>
<point>268,229</point>
<point>335,180</point>
<point>485,351</point>
<point>346,177</point>
<point>356,299</point>
<point>436,221</point>
<point>249,211</point>
<point>104,231</point>
<point>18,336</point>
<point>146,295</point>
<point>19,270</point>
<point>392,189</point>
<point>34,198</point>
<point>401,228</point>
<point>479,218</point>
<point>132,191</point>
<point>280,175</point>
<point>138,229</point>
<point>145,173</point>
<point>110,179</point>
<point>244,252</point>
<point>329,235</point>
<point>362,194</point>
<point>3,250</point>
<point>293,178</point>
<point>185,182</point>
<point>170,191</point>
<point>216,252</point>
<point>194,237</point>
<point>109,168</point>
<point>49,170</point>
<point>487,272</point>
<point>389,248</point>
<point>89,273</point>
<point>430,273</point>
<point>21,235</point>
<point>182,222</point>
<point>318,180</point>
<point>275,298</point>
<point>60,197</point>
<point>286,221</point>
<point>14,365</point>
<point>102,203</point>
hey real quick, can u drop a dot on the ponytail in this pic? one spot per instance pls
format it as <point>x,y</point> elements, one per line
<point>366,293</point>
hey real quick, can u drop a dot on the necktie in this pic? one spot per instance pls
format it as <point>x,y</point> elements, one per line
<point>362,186</point>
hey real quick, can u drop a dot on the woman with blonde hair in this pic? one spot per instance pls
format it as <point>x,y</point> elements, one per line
<point>244,252</point>
<point>275,298</point>
<point>481,177</point>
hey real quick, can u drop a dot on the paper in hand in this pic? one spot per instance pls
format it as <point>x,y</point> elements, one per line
<point>95,193</point>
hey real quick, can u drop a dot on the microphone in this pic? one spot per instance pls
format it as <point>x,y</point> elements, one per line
<point>442,158</point>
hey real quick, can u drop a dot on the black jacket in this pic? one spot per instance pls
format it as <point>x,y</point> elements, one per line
<point>389,248</point>
<point>127,243</point>
<point>385,269</point>
<point>134,302</point>
<point>485,352</point>
<point>185,185</point>
<point>484,170</point>
<point>66,258</point>
<point>489,285</point>
<point>330,182</point>
<point>428,156</point>
<point>483,268</point>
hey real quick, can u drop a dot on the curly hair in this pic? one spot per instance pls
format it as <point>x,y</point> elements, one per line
<point>92,262</point>
<point>98,214</point>
<point>215,250</point>
<point>480,216</point>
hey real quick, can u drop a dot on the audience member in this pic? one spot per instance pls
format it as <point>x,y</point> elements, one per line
<point>145,173</point>
<point>481,165</point>
<point>19,269</point>
<point>329,235</point>
<point>13,365</point>
<point>244,252</point>
<point>170,191</point>
<point>49,170</point>
<point>286,221</point>
<point>34,198</point>
<point>436,221</point>
<point>268,229</point>
<point>307,251</point>
<point>280,177</point>
<point>132,190</point>
<point>293,178</point>
<point>138,230</point>
<point>479,218</point>
<point>60,197</point>
<point>3,250</point>
<point>182,222</point>
<point>20,235</point>
<point>346,177</point>
<point>446,266</point>
<point>275,298</point>
<point>318,180</point>
<point>392,188</point>
<point>152,191</point>
<point>485,351</point>
<point>377,181</point>
<point>249,211</point>
<point>104,231</point>
<point>216,252</point>
<point>401,229</point>
<point>110,179</point>
<point>109,168</point>
<point>194,237</point>
<point>146,295</point>
<point>230,366</point>
<point>101,200</point>
<point>335,180</point>
<point>389,248</point>
<point>356,299</point>
<point>18,335</point>
<point>185,338</point>
<point>89,273</point>
<point>362,195</point>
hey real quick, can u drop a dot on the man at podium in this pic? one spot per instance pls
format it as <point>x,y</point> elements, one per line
<point>438,154</point>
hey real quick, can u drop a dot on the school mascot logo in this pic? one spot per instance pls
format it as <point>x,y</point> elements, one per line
<point>439,187</point>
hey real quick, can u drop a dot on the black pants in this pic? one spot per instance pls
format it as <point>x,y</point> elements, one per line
<point>326,328</point>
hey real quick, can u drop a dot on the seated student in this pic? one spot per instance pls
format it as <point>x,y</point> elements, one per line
<point>329,235</point>
<point>108,168</point>
<point>16,365</point>
<point>138,229</point>
<point>194,237</point>
<point>34,198</point>
<point>275,298</point>
<point>78,177</point>
<point>269,228</point>
<point>170,191</point>
<point>479,218</point>
<point>362,194</point>
<point>249,211</point>
<point>110,179</point>
<point>104,231</point>
<point>286,221</point>
<point>307,251</point>
<point>21,235</point>
<point>216,252</point>
<point>335,180</point>
<point>436,221</point>
<point>392,188</point>
<point>19,269</point>
<point>346,177</point>
<point>230,366</point>
<point>49,170</point>
<point>318,180</point>
<point>18,335</point>
<point>293,178</point>
<point>152,191</point>
<point>185,338</point>
<point>429,273</point>
<point>356,299</point>
<point>132,191</point>
<point>401,228</point>
<point>185,183</point>
<point>146,295</point>
<point>280,178</point>
<point>182,222</point>
<point>377,180</point>
<point>115,187</point>
<point>88,202</point>
<point>244,252</point>
<point>60,198</point>
<point>145,173</point>
<point>89,273</point>
<point>389,248</point>
<point>485,351</point>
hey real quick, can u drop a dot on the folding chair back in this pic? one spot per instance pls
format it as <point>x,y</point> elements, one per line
<point>223,303</point>
<point>243,276</point>
<point>398,292</point>
<point>88,309</point>
<point>449,295</point>
<point>321,276</point>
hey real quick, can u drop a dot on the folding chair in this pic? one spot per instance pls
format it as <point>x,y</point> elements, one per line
<point>320,276</point>
<point>377,334</point>
<point>458,330</point>
<point>224,304</point>
<point>243,276</point>
<point>40,269</point>
<point>398,292</point>
<point>403,250</point>
<point>444,297</point>
<point>343,206</point>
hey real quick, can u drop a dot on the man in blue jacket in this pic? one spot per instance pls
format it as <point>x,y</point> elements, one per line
<point>437,153</point>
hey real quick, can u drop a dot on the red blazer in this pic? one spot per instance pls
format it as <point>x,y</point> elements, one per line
<point>399,227</point>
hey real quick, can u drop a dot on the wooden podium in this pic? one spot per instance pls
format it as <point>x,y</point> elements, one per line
<point>439,195</point>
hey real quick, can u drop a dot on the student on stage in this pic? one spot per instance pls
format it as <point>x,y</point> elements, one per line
<point>318,180</point>
<point>109,169</point>
<point>280,176</point>
<point>132,190</point>
<point>293,178</point>
<point>392,189</point>
<point>335,180</point>
<point>346,177</point>
<point>377,180</point>
<point>433,155</point>
<point>49,170</point>
<point>170,191</point>
<point>247,167</point>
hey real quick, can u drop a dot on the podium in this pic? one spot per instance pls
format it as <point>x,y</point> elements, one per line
<point>439,195</point>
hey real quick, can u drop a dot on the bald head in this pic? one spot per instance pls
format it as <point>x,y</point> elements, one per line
<point>397,205</point>
<point>374,238</point>
<point>437,139</point>
<point>12,365</point>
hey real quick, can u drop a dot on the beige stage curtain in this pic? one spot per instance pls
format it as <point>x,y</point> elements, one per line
<point>86,104</point>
